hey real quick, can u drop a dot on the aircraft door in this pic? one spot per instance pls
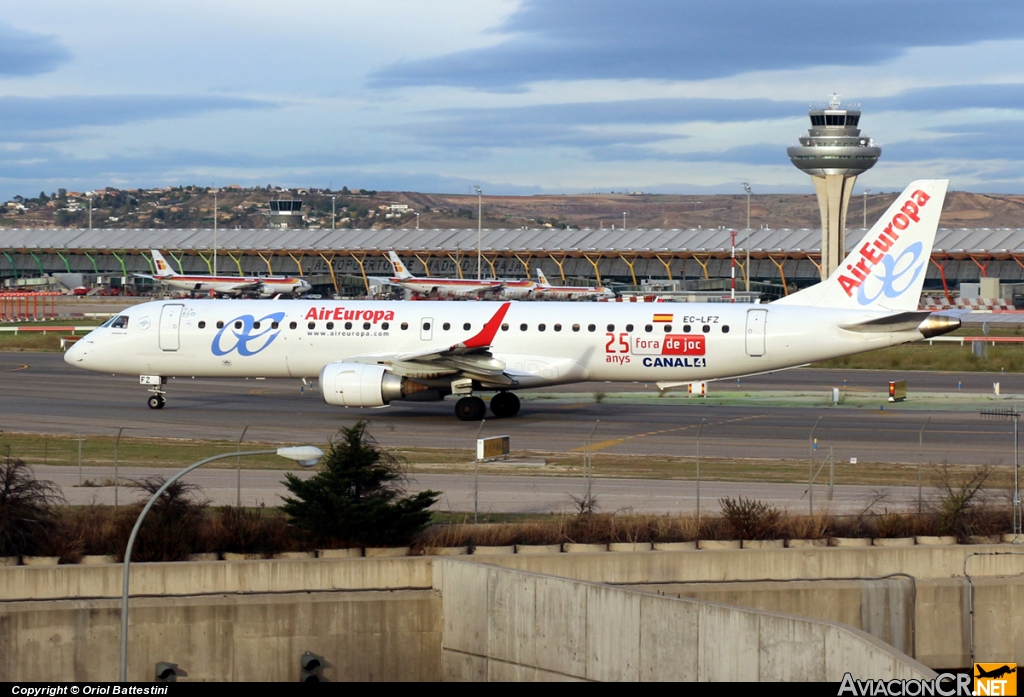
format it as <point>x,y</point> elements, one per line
<point>756,322</point>
<point>170,321</point>
<point>427,328</point>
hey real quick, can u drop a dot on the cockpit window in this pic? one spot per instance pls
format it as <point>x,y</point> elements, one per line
<point>119,322</point>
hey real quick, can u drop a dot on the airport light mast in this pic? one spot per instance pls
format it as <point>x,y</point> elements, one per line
<point>834,152</point>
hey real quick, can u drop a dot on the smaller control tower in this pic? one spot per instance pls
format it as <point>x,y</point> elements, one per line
<point>286,213</point>
<point>834,152</point>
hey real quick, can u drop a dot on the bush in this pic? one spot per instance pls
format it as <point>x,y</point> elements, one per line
<point>750,519</point>
<point>248,532</point>
<point>357,498</point>
<point>172,530</point>
<point>26,509</point>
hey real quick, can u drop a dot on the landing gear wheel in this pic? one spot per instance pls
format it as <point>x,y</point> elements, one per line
<point>156,401</point>
<point>470,409</point>
<point>504,404</point>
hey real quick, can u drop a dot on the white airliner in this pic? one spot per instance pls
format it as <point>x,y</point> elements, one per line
<point>546,291</point>
<point>368,354</point>
<point>263,286</point>
<point>439,287</point>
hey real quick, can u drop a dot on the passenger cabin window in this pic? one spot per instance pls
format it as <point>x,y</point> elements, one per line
<point>706,328</point>
<point>591,327</point>
<point>611,327</point>
<point>466,326</point>
<point>541,327</point>
<point>558,327</point>
<point>668,328</point>
<point>405,326</point>
<point>291,325</point>
<point>330,325</point>
<point>384,325</point>
<point>256,325</point>
<point>686,329</point>
<point>504,327</point>
<point>311,325</point>
<point>238,325</point>
<point>522,327</point>
<point>648,329</point>
<point>446,326</point>
<point>348,325</point>
<point>366,325</point>
<point>273,325</point>
<point>202,324</point>
<point>220,324</point>
<point>725,328</point>
<point>575,327</point>
<point>629,328</point>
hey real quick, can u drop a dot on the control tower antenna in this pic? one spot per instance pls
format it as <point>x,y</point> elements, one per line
<point>834,152</point>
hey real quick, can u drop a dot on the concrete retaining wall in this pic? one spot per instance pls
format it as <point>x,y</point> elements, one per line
<point>363,636</point>
<point>501,624</point>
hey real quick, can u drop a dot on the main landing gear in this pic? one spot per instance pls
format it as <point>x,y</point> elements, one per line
<point>503,405</point>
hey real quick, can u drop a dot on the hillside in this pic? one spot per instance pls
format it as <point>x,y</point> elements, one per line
<point>190,206</point>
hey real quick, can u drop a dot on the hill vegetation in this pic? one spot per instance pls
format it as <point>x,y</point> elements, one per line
<point>193,206</point>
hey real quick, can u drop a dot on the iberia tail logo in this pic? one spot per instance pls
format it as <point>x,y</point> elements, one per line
<point>995,679</point>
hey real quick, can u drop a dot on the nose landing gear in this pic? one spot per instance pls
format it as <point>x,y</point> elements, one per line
<point>156,382</point>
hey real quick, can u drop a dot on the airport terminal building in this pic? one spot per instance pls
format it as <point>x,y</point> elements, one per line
<point>346,261</point>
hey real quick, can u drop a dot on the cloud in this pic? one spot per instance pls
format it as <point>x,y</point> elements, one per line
<point>952,97</point>
<point>24,115</point>
<point>23,53</point>
<point>696,40</point>
<point>975,142</point>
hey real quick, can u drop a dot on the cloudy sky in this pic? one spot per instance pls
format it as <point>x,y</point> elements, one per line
<point>518,96</point>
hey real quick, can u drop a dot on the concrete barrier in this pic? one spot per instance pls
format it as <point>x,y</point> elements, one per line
<point>363,636</point>
<point>500,624</point>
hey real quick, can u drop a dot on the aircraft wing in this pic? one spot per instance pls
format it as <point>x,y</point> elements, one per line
<point>145,275</point>
<point>471,358</point>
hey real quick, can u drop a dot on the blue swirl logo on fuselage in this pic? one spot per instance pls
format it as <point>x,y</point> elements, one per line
<point>893,271</point>
<point>248,339</point>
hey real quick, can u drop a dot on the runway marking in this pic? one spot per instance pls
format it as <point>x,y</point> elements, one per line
<point>18,366</point>
<point>602,445</point>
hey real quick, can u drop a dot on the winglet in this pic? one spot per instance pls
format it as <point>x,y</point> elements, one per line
<point>486,335</point>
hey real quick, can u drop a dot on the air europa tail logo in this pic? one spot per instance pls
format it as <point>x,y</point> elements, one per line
<point>874,253</point>
<point>340,313</point>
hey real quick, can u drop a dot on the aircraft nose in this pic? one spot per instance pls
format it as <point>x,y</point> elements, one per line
<point>75,354</point>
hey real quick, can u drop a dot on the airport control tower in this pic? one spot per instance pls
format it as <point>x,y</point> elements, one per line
<point>834,152</point>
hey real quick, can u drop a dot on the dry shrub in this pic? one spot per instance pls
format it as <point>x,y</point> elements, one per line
<point>749,519</point>
<point>964,507</point>
<point>248,531</point>
<point>895,524</point>
<point>82,531</point>
<point>172,530</point>
<point>674,529</point>
<point>26,509</point>
<point>806,527</point>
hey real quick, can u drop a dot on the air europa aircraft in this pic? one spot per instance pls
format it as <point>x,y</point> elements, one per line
<point>368,354</point>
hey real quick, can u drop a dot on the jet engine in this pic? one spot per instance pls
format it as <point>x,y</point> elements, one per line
<point>363,385</point>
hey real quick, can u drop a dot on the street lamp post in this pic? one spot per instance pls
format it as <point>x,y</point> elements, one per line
<point>866,192</point>
<point>90,212</point>
<point>623,220</point>
<point>214,232</point>
<point>333,216</point>
<point>746,269</point>
<point>417,220</point>
<point>305,455</point>
<point>479,232</point>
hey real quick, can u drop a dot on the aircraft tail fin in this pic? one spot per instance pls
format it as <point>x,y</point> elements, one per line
<point>541,278</point>
<point>396,263</point>
<point>887,268</point>
<point>163,269</point>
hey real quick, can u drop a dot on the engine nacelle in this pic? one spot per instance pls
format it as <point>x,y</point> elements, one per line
<point>359,385</point>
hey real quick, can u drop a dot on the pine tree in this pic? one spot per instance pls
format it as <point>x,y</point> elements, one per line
<point>357,499</point>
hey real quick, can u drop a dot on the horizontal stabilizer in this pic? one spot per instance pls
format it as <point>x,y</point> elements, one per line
<point>927,323</point>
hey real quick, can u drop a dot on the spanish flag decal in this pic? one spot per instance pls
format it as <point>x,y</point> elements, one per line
<point>662,318</point>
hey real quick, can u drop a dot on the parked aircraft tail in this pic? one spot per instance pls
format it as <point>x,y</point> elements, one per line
<point>163,269</point>
<point>400,270</point>
<point>887,268</point>
<point>541,279</point>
